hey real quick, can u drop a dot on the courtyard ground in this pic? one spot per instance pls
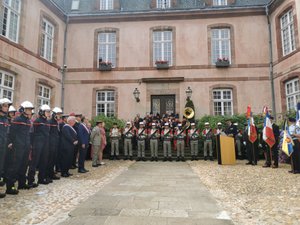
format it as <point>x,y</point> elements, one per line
<point>244,194</point>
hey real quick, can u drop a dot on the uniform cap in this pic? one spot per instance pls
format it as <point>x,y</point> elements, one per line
<point>235,124</point>
<point>207,123</point>
<point>141,123</point>
<point>153,124</point>
<point>166,124</point>
<point>219,123</point>
<point>5,101</point>
<point>128,123</point>
<point>179,125</point>
<point>193,124</point>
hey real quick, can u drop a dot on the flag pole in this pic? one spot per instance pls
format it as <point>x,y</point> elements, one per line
<point>271,158</point>
<point>253,153</point>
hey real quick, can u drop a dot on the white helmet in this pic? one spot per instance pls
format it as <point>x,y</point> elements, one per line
<point>5,101</point>
<point>27,105</point>
<point>45,108</point>
<point>57,110</point>
<point>12,109</point>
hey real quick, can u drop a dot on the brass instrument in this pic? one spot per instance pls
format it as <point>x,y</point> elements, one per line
<point>188,113</point>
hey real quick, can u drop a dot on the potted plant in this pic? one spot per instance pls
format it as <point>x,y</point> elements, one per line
<point>222,62</point>
<point>105,66</point>
<point>162,64</point>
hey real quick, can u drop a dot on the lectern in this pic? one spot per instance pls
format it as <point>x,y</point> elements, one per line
<point>225,150</point>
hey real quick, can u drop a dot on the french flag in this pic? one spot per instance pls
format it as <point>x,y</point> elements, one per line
<point>268,134</point>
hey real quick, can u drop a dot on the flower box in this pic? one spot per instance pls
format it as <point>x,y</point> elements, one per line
<point>162,65</point>
<point>222,63</point>
<point>105,66</point>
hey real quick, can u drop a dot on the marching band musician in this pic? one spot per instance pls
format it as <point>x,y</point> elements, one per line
<point>219,129</point>
<point>115,135</point>
<point>193,134</point>
<point>128,134</point>
<point>141,136</point>
<point>180,136</point>
<point>153,135</point>
<point>207,134</point>
<point>167,136</point>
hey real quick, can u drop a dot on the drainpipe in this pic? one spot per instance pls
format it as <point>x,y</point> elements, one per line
<point>64,67</point>
<point>271,66</point>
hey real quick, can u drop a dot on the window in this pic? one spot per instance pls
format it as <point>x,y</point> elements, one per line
<point>75,5</point>
<point>222,99</point>
<point>105,103</point>
<point>10,19</point>
<point>106,5</point>
<point>292,91</point>
<point>162,46</point>
<point>107,47</point>
<point>44,95</point>
<point>47,40</point>
<point>163,4</point>
<point>287,33</point>
<point>6,85</point>
<point>219,2</point>
<point>220,44</point>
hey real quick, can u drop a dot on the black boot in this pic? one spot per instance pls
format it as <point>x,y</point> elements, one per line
<point>2,195</point>
<point>193,158</point>
<point>156,159</point>
<point>177,159</point>
<point>152,159</point>
<point>11,190</point>
<point>170,159</point>
<point>131,158</point>
<point>126,158</point>
<point>165,159</point>
<point>182,159</point>
<point>205,158</point>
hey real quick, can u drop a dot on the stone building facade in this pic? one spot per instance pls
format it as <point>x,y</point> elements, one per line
<point>55,52</point>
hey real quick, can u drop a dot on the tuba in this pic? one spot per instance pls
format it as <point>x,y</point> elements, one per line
<point>188,113</point>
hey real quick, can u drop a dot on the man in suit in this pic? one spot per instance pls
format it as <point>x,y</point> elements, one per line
<point>84,139</point>
<point>272,153</point>
<point>68,141</point>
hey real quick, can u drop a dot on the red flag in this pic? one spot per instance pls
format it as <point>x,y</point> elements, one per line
<point>268,134</point>
<point>252,134</point>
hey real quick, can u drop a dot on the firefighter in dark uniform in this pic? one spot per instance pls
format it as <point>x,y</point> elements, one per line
<point>64,118</point>
<point>40,147</point>
<point>19,138</point>
<point>4,106</point>
<point>53,142</point>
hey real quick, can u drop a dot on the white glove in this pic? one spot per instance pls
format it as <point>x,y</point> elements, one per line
<point>244,143</point>
<point>260,145</point>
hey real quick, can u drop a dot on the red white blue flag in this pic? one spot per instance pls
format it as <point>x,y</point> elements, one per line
<point>268,134</point>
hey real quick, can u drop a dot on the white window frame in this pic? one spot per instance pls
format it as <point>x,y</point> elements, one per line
<point>162,46</point>
<point>41,98</point>
<point>107,50</point>
<point>287,28</point>
<point>221,40</point>
<point>75,4</point>
<point>106,102</point>
<point>222,100</point>
<point>163,4</point>
<point>219,2</point>
<point>4,87</point>
<point>106,4</point>
<point>46,50</point>
<point>292,92</point>
<point>13,8</point>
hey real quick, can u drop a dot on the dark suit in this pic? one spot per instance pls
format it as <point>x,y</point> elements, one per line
<point>53,146</point>
<point>3,141</point>
<point>252,148</point>
<point>76,148</point>
<point>83,138</point>
<point>68,137</point>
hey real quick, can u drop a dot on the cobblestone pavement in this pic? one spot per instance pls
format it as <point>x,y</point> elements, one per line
<point>49,204</point>
<point>249,194</point>
<point>252,194</point>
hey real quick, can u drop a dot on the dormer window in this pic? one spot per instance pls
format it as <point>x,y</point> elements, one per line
<point>219,2</point>
<point>163,4</point>
<point>75,4</point>
<point>106,4</point>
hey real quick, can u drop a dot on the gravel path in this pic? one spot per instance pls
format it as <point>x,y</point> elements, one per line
<point>50,204</point>
<point>252,194</point>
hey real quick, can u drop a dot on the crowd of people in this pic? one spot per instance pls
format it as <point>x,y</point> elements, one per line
<point>51,142</point>
<point>47,141</point>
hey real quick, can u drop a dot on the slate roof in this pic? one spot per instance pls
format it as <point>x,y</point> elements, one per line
<point>89,6</point>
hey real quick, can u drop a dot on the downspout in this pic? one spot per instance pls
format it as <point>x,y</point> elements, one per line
<point>64,67</point>
<point>271,66</point>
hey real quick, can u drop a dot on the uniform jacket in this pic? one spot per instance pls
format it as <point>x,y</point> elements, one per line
<point>69,136</point>
<point>193,134</point>
<point>83,134</point>
<point>19,132</point>
<point>231,130</point>
<point>4,125</point>
<point>95,137</point>
<point>180,134</point>
<point>41,129</point>
<point>153,135</point>
<point>167,135</point>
